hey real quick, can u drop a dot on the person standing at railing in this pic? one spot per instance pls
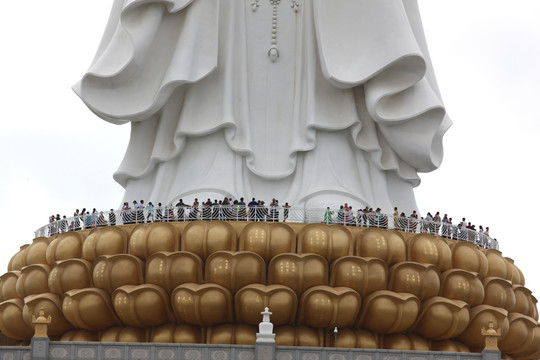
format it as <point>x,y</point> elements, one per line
<point>76,220</point>
<point>286,208</point>
<point>252,209</point>
<point>445,229</point>
<point>396,221</point>
<point>328,216</point>
<point>180,209</point>
<point>413,223</point>
<point>150,211</point>
<point>159,212</point>
<point>437,221</point>
<point>112,218</point>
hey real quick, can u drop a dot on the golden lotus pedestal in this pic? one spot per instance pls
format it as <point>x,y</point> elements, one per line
<point>207,282</point>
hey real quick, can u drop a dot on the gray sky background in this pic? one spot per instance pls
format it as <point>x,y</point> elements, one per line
<point>57,156</point>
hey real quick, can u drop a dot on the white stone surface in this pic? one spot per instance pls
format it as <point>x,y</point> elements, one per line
<point>335,102</point>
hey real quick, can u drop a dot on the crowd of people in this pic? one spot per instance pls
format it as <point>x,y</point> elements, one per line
<point>257,210</point>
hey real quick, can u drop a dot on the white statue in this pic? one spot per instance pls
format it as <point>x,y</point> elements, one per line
<point>313,102</point>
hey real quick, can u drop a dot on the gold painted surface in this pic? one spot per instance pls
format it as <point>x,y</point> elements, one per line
<point>363,275</point>
<point>147,239</point>
<point>18,261</point>
<point>234,270</point>
<point>65,246</point>
<point>124,334</point>
<point>142,305</point>
<point>267,239</point>
<point>70,274</point>
<point>404,342</point>
<point>52,305</point>
<point>499,293</point>
<point>429,249</point>
<point>481,315</point>
<point>80,335</point>
<point>203,305</point>
<point>441,318</point>
<point>468,256</point>
<point>387,245</point>
<point>352,338</point>
<point>326,307</point>
<point>112,271</point>
<point>206,237</point>
<point>89,309</point>
<point>8,285</point>
<point>387,312</point>
<point>421,280</point>
<point>298,271</point>
<point>458,284</point>
<point>35,253</point>
<point>110,240</point>
<point>329,241</point>
<point>520,340</point>
<point>517,276</point>
<point>288,335</point>
<point>11,320</point>
<point>380,263</point>
<point>498,266</point>
<point>524,302</point>
<point>251,300</point>
<point>33,280</point>
<point>180,334</point>
<point>449,346</point>
<point>170,269</point>
<point>238,334</point>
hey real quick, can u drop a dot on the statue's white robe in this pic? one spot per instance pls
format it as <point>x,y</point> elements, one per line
<point>349,111</point>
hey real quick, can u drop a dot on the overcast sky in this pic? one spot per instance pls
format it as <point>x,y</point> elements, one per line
<point>57,156</point>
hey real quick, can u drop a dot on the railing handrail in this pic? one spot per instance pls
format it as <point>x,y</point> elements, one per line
<point>266,213</point>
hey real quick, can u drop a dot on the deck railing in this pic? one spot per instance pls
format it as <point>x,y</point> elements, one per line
<point>266,214</point>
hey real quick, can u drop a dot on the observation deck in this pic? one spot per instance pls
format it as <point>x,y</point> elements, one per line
<point>267,214</point>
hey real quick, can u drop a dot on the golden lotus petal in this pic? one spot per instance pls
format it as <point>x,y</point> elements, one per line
<point>329,241</point>
<point>89,309</point>
<point>125,334</point>
<point>421,280</point>
<point>110,240</point>
<point>147,239</point>
<point>180,334</point>
<point>8,285</point>
<point>267,240</point>
<point>298,271</point>
<point>112,271</point>
<point>352,338</point>
<point>429,249</point>
<point>80,335</point>
<point>499,293</point>
<point>363,275</point>
<point>252,299</point>
<point>206,237</point>
<point>387,245</point>
<point>169,270</point>
<point>234,270</point>
<point>327,307</point>
<point>441,318</point>
<point>238,334</point>
<point>142,305</point>
<point>481,315</point>
<point>524,302</point>
<point>469,257</point>
<point>11,320</point>
<point>387,312</point>
<point>404,342</point>
<point>51,305</point>
<point>70,274</point>
<point>33,280</point>
<point>65,246</point>
<point>288,335</point>
<point>458,284</point>
<point>204,305</point>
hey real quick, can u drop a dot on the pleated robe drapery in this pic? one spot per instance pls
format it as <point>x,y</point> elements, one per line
<point>349,111</point>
